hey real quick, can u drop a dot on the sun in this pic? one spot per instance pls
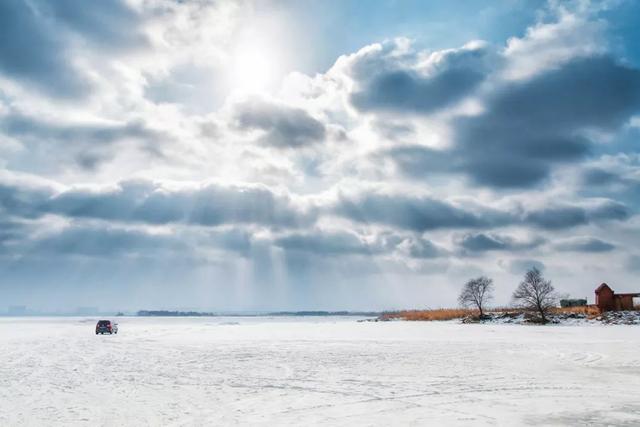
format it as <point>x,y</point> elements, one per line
<point>253,67</point>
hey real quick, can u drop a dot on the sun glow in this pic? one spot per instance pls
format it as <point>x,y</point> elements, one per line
<point>254,67</point>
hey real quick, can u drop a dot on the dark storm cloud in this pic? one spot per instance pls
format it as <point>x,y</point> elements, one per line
<point>414,213</point>
<point>284,126</point>
<point>36,39</point>
<point>407,90</point>
<point>558,217</point>
<point>584,244</point>
<point>421,213</point>
<point>212,204</point>
<point>530,126</point>
<point>418,247</point>
<point>609,210</point>
<point>567,216</point>
<point>23,200</point>
<point>484,242</point>
<point>148,202</point>
<point>390,88</point>
<point>599,176</point>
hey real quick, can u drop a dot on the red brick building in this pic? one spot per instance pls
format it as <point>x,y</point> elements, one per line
<point>608,300</point>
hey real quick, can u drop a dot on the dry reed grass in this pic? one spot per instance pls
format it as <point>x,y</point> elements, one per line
<point>589,310</point>
<point>460,313</point>
<point>436,314</point>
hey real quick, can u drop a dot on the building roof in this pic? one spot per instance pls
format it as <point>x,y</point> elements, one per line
<point>603,287</point>
<point>630,294</point>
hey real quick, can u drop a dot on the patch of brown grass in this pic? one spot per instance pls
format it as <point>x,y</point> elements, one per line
<point>436,314</point>
<point>589,310</point>
<point>460,313</point>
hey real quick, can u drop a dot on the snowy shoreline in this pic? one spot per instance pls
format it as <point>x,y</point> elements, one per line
<point>521,318</point>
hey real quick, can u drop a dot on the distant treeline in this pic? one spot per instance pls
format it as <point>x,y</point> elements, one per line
<point>168,313</point>
<point>324,313</point>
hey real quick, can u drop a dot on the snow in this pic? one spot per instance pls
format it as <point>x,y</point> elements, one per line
<point>310,371</point>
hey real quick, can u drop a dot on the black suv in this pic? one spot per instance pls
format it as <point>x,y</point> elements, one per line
<point>106,327</point>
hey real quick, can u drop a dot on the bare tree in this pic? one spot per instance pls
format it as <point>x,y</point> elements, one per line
<point>535,293</point>
<point>476,293</point>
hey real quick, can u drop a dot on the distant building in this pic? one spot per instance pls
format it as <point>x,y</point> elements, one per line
<point>608,300</point>
<point>573,302</point>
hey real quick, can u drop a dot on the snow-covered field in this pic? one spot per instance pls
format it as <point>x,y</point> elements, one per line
<point>297,371</point>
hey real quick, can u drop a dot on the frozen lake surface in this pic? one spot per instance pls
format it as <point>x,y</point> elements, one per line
<point>309,371</point>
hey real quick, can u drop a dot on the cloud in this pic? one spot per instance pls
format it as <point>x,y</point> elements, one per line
<point>519,124</point>
<point>421,162</point>
<point>343,242</point>
<point>111,24</point>
<point>548,45</point>
<point>482,242</point>
<point>421,248</point>
<point>406,84</point>
<point>413,213</point>
<point>584,244</point>
<point>521,266</point>
<point>95,241</point>
<point>560,216</point>
<point>87,144</point>
<point>283,126</point>
<point>323,242</point>
<point>99,239</point>
<point>608,210</point>
<point>599,176</point>
<point>11,231</point>
<point>422,213</point>
<point>22,126</point>
<point>633,263</point>
<point>38,38</point>
<point>143,201</point>
<point>530,126</point>
<point>615,175</point>
<point>30,53</point>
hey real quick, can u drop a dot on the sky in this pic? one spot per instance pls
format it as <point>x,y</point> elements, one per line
<point>314,155</point>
